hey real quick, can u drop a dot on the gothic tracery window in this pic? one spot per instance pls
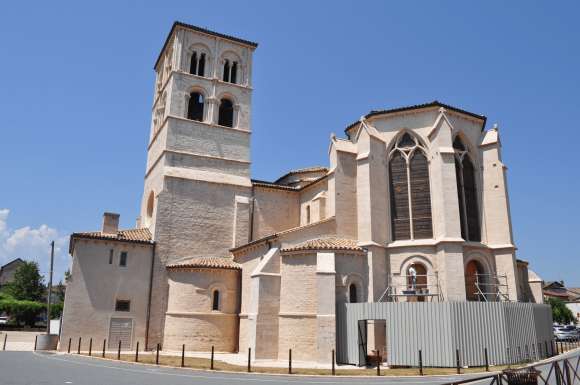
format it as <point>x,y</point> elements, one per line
<point>467,193</point>
<point>410,191</point>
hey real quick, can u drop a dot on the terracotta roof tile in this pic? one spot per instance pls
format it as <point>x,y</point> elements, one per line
<point>206,263</point>
<point>326,244</point>
<point>130,235</point>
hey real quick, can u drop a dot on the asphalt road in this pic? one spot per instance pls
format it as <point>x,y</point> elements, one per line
<point>24,368</point>
<point>27,368</point>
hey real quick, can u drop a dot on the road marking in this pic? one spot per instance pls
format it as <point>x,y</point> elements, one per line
<point>299,379</point>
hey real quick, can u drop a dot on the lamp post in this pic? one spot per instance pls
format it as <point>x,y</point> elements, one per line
<point>49,288</point>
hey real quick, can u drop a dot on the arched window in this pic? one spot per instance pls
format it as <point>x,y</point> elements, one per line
<point>195,107</point>
<point>201,65</point>
<point>197,64</point>
<point>226,77</point>
<point>467,193</point>
<point>230,73</point>
<point>474,282</point>
<point>150,205</point>
<point>234,73</point>
<point>215,303</point>
<point>193,64</point>
<point>226,113</point>
<point>352,293</point>
<point>410,191</point>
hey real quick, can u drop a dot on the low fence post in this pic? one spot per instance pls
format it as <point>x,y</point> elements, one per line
<point>104,344</point>
<point>378,364</point>
<point>183,355</point>
<point>420,362</point>
<point>457,361</point>
<point>527,359</point>
<point>6,337</point>
<point>333,369</point>
<point>69,342</point>
<point>157,355</point>
<point>79,347</point>
<point>137,352</point>
<point>119,351</point>
<point>289,361</point>
<point>249,358</point>
<point>35,341</point>
<point>212,355</point>
<point>486,360</point>
<point>90,346</point>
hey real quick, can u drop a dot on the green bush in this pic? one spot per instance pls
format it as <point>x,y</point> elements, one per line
<point>22,311</point>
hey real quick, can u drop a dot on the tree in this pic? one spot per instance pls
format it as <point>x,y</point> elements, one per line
<point>27,284</point>
<point>560,312</point>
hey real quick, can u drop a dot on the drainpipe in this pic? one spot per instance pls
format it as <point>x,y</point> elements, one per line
<point>253,202</point>
<point>148,316</point>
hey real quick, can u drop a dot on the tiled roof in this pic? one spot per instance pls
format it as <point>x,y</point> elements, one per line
<point>131,235</point>
<point>326,244</point>
<point>303,170</point>
<point>263,183</point>
<point>206,263</point>
<point>434,103</point>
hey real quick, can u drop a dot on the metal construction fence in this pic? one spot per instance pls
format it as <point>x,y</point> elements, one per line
<point>445,333</point>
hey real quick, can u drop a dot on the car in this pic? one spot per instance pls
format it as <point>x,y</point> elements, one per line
<point>566,333</point>
<point>3,320</point>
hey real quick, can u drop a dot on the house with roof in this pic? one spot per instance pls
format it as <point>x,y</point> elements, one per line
<point>7,271</point>
<point>412,207</point>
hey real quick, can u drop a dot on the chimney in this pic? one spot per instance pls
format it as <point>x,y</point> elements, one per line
<point>110,223</point>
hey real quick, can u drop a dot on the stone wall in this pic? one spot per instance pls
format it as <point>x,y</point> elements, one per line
<point>94,287</point>
<point>190,319</point>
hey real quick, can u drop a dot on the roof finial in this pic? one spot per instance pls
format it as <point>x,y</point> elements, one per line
<point>495,127</point>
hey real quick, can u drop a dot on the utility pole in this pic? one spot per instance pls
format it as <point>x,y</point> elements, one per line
<point>49,288</point>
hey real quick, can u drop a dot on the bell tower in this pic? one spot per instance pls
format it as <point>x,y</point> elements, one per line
<point>197,190</point>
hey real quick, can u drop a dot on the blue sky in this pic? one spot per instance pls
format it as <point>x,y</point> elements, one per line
<point>77,83</point>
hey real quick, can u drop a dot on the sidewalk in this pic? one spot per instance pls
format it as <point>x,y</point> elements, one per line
<point>18,341</point>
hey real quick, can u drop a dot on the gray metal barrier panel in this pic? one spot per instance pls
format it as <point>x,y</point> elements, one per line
<point>511,332</point>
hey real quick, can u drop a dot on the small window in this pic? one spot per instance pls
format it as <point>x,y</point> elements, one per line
<point>352,294</point>
<point>111,257</point>
<point>123,305</point>
<point>308,214</point>
<point>215,305</point>
<point>123,259</point>
<point>226,113</point>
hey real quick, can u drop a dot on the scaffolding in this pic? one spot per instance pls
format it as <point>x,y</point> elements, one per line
<point>426,288</point>
<point>490,287</point>
<point>412,288</point>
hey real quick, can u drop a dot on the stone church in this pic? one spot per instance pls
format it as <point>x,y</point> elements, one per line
<point>413,206</point>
